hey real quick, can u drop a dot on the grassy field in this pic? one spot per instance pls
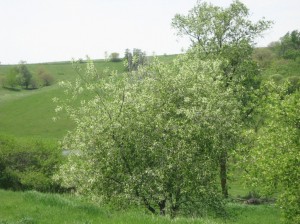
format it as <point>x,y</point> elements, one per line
<point>28,113</point>
<point>33,207</point>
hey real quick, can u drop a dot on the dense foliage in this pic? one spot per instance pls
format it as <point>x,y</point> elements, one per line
<point>272,161</point>
<point>160,135</point>
<point>227,35</point>
<point>288,46</point>
<point>135,59</point>
<point>28,164</point>
<point>21,77</point>
<point>151,137</point>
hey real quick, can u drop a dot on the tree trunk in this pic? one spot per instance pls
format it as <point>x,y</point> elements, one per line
<point>223,174</point>
<point>162,207</point>
<point>148,206</point>
<point>174,210</point>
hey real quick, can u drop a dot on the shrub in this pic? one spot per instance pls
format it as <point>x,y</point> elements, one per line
<point>25,75</point>
<point>35,82</point>
<point>157,143</point>
<point>28,164</point>
<point>12,79</point>
<point>294,82</point>
<point>45,78</point>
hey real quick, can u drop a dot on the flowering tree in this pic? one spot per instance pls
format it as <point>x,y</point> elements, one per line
<point>152,137</point>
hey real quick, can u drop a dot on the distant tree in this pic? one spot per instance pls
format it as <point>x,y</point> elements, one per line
<point>264,56</point>
<point>114,57</point>
<point>35,82</point>
<point>12,79</point>
<point>135,59</point>
<point>46,78</point>
<point>25,75</point>
<point>128,59</point>
<point>138,59</point>
<point>288,46</point>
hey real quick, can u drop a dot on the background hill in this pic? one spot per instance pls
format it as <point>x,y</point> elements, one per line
<point>29,113</point>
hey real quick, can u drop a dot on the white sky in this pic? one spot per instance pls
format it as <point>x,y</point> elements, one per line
<point>59,30</point>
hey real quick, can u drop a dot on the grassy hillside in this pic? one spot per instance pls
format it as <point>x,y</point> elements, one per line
<point>28,113</point>
<point>33,207</point>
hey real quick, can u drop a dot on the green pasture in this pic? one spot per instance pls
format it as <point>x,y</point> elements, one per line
<point>29,113</point>
<point>33,207</point>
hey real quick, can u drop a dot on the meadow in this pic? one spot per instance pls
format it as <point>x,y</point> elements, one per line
<point>27,114</point>
<point>33,207</point>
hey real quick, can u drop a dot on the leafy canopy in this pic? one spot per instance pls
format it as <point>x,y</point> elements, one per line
<point>213,28</point>
<point>272,159</point>
<point>151,137</point>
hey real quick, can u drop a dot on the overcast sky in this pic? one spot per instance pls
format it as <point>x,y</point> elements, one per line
<point>56,30</point>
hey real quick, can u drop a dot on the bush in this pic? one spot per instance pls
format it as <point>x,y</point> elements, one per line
<point>12,79</point>
<point>294,82</point>
<point>157,144</point>
<point>45,78</point>
<point>28,164</point>
<point>35,82</point>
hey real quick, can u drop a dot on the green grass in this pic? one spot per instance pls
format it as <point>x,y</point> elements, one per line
<point>33,207</point>
<point>28,113</point>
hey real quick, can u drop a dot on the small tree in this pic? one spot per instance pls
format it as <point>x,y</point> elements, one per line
<point>151,137</point>
<point>114,57</point>
<point>12,79</point>
<point>128,60</point>
<point>135,59</point>
<point>46,78</point>
<point>288,46</point>
<point>25,75</point>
